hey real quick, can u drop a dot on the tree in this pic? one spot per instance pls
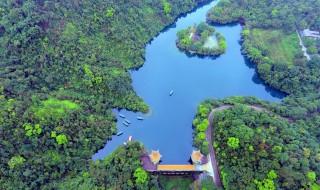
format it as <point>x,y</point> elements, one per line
<point>233,142</point>
<point>61,139</point>
<point>140,175</point>
<point>15,161</point>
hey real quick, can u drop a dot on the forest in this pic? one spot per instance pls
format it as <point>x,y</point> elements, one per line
<point>197,40</point>
<point>277,148</point>
<point>63,67</point>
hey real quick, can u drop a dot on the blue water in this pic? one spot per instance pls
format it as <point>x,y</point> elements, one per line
<point>169,125</point>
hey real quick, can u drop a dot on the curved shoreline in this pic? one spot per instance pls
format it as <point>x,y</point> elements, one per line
<point>215,164</point>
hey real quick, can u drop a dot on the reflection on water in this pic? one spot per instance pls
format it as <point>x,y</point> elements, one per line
<point>193,78</point>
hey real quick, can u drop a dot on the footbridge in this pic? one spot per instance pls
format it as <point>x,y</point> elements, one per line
<point>199,166</point>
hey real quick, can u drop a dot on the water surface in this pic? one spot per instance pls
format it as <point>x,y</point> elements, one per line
<point>169,125</point>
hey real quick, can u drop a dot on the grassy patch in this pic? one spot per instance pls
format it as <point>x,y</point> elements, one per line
<point>175,183</point>
<point>277,45</point>
<point>54,108</point>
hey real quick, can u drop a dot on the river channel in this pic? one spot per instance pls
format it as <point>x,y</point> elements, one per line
<point>169,125</point>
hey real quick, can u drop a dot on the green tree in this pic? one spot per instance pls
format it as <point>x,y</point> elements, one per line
<point>140,175</point>
<point>15,161</point>
<point>233,142</point>
<point>61,139</point>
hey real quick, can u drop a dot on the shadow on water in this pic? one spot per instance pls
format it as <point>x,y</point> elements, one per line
<point>257,80</point>
<point>193,79</point>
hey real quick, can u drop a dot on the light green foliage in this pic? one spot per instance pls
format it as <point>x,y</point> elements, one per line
<point>110,12</point>
<point>88,76</point>
<point>205,45</point>
<point>246,32</point>
<point>205,143</point>
<point>166,7</point>
<point>53,134</point>
<point>311,176</point>
<point>140,175</point>
<point>203,125</point>
<point>201,136</point>
<point>203,111</point>
<point>266,184</point>
<point>272,175</point>
<point>61,139</point>
<point>233,142</point>
<point>277,45</point>
<point>36,130</point>
<point>277,149</point>
<point>274,12</point>
<point>15,161</point>
<point>251,148</point>
<point>54,108</point>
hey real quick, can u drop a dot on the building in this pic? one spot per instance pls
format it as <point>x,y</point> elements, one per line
<point>310,34</point>
<point>196,157</point>
<point>155,157</point>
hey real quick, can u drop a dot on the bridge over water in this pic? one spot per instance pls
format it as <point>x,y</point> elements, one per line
<point>200,165</point>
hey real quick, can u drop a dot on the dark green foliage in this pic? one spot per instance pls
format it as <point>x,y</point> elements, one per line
<point>175,183</point>
<point>199,39</point>
<point>274,47</point>
<point>284,14</point>
<point>63,66</point>
<point>272,152</point>
<point>120,170</point>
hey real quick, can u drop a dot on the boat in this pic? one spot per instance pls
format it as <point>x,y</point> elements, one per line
<point>124,143</point>
<point>130,138</point>
<point>119,133</point>
<point>171,92</point>
<point>121,115</point>
<point>127,121</point>
<point>140,118</point>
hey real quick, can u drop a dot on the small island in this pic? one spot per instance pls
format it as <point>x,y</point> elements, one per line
<point>201,39</point>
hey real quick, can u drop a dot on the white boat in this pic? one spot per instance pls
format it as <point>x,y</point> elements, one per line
<point>140,118</point>
<point>171,92</point>
<point>121,115</point>
<point>127,121</point>
<point>119,133</point>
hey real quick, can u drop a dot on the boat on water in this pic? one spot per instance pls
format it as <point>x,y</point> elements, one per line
<point>171,92</point>
<point>119,133</point>
<point>127,121</point>
<point>121,115</point>
<point>140,118</point>
<point>130,138</point>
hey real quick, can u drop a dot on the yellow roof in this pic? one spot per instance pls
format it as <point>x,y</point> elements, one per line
<point>155,156</point>
<point>176,167</point>
<point>196,156</point>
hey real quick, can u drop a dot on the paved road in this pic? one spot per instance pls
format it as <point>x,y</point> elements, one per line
<point>215,165</point>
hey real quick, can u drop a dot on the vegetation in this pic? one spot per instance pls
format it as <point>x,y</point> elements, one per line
<point>120,170</point>
<point>312,45</point>
<point>175,183</point>
<point>282,14</point>
<point>63,66</point>
<point>200,39</point>
<point>272,43</point>
<point>264,150</point>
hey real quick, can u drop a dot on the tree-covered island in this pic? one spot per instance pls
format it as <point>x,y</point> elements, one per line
<point>201,39</point>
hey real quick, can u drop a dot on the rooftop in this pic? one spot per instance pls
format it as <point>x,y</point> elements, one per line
<point>196,156</point>
<point>176,167</point>
<point>155,156</point>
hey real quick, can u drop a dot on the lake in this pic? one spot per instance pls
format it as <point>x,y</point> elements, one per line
<point>169,125</point>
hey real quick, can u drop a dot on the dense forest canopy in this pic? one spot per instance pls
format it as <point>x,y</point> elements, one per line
<point>270,39</point>
<point>63,66</point>
<point>281,14</point>
<point>201,39</point>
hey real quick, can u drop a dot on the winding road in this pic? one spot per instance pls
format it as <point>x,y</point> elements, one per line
<point>212,155</point>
